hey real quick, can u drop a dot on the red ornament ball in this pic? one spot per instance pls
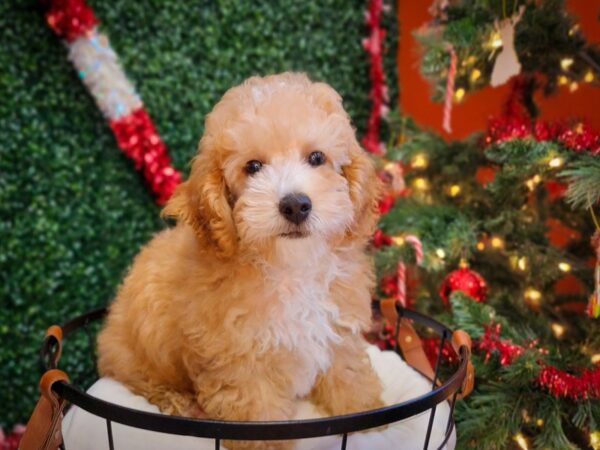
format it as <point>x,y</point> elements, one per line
<point>465,280</point>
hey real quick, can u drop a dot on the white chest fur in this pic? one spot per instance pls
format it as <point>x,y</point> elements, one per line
<point>300,314</point>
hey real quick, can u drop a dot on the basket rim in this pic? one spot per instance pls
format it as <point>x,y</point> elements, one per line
<point>263,430</point>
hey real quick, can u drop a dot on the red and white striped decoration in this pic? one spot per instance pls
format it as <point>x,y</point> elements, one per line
<point>449,97</point>
<point>401,268</point>
<point>98,66</point>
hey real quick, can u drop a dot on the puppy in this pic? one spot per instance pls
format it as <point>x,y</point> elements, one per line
<point>258,296</point>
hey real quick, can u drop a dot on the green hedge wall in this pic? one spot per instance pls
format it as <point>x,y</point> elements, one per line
<point>73,211</point>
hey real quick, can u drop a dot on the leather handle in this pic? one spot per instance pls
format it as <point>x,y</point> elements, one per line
<point>54,333</point>
<point>412,348</point>
<point>461,338</point>
<point>43,430</point>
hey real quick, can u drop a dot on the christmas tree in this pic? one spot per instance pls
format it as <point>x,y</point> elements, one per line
<point>505,225</point>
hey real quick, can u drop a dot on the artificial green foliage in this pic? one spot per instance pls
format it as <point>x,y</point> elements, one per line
<point>73,211</point>
<point>545,36</point>
<point>513,208</point>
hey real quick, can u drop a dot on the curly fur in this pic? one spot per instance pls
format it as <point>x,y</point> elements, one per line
<point>227,315</point>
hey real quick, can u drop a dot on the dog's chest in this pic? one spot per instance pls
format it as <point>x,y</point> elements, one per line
<point>299,318</point>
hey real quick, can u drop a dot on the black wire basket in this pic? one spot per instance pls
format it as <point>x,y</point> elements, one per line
<point>447,390</point>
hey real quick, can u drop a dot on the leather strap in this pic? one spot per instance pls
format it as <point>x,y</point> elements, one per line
<point>412,348</point>
<point>43,430</point>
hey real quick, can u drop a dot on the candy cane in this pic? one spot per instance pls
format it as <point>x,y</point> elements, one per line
<point>449,91</point>
<point>401,268</point>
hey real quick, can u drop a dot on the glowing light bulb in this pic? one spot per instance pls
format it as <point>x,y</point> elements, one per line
<point>522,263</point>
<point>574,29</point>
<point>539,422</point>
<point>573,86</point>
<point>565,63</point>
<point>595,359</point>
<point>497,242</point>
<point>420,184</point>
<point>562,80</point>
<point>440,253</point>
<point>419,161</point>
<point>521,441</point>
<point>556,162</point>
<point>475,74</point>
<point>532,296</point>
<point>558,330</point>
<point>564,266</point>
<point>589,76</point>
<point>595,440</point>
<point>533,182</point>
<point>454,190</point>
<point>459,94</point>
<point>390,166</point>
<point>480,246</point>
<point>398,240</point>
<point>469,61</point>
<point>496,40</point>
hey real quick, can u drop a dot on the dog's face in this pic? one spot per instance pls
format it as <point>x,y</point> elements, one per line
<point>278,160</point>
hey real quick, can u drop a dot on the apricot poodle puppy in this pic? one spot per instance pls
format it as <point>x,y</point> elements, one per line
<point>258,296</point>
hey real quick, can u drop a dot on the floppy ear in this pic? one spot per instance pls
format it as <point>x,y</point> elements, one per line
<point>365,189</point>
<point>202,202</point>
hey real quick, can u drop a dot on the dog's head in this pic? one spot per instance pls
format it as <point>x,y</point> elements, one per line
<point>278,160</point>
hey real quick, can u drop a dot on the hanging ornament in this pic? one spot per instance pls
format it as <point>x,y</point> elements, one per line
<point>507,63</point>
<point>593,309</point>
<point>465,280</point>
<point>449,96</point>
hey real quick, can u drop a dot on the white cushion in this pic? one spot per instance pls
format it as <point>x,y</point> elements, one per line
<point>84,431</point>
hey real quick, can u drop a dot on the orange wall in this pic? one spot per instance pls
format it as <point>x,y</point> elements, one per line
<point>472,114</point>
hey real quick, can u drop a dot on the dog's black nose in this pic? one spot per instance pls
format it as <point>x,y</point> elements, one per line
<point>295,207</point>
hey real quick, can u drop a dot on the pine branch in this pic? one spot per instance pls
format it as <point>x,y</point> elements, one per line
<point>583,177</point>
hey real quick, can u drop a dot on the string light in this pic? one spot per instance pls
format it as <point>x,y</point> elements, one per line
<point>475,75</point>
<point>496,40</point>
<point>440,253</point>
<point>533,182</point>
<point>558,330</point>
<point>521,441</point>
<point>589,76</point>
<point>469,61</point>
<point>532,296</point>
<point>565,63</point>
<point>459,94</point>
<point>497,242</point>
<point>595,359</point>
<point>398,240</point>
<point>595,440</point>
<point>573,86</point>
<point>420,184</point>
<point>522,263</point>
<point>454,190</point>
<point>564,266</point>
<point>480,246</point>
<point>574,29</point>
<point>556,162</point>
<point>419,161</point>
<point>540,422</point>
<point>562,80</point>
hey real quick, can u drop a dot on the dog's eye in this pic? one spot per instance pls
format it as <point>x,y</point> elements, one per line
<point>316,158</point>
<point>252,166</point>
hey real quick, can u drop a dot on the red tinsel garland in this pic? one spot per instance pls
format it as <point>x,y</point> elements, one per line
<point>378,93</point>
<point>563,384</point>
<point>139,140</point>
<point>69,19</point>
<point>515,123</point>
